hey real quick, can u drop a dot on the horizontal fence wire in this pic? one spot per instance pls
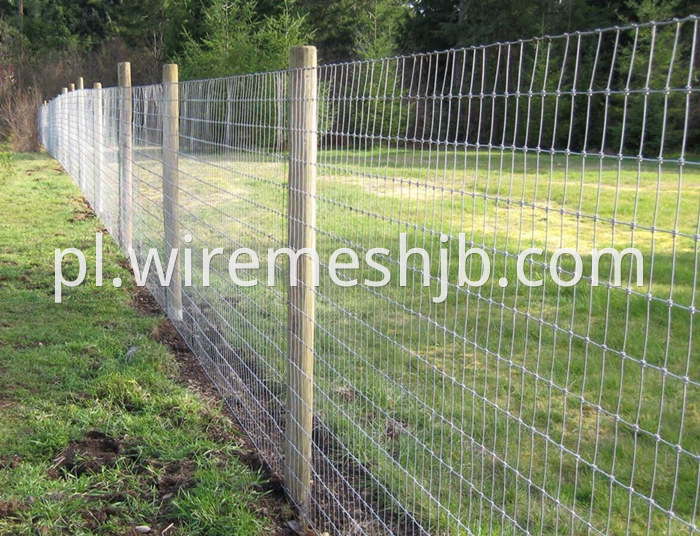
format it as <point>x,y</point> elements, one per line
<point>505,408</point>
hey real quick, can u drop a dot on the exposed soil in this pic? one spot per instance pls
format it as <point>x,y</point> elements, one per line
<point>96,517</point>
<point>143,302</point>
<point>176,476</point>
<point>9,462</point>
<point>82,210</point>
<point>88,455</point>
<point>11,509</point>
<point>165,333</point>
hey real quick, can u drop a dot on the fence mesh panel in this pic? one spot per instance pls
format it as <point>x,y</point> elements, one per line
<point>504,408</point>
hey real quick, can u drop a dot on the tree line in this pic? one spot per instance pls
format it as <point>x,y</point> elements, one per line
<point>44,44</point>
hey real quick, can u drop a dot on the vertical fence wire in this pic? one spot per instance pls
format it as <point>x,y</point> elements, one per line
<point>503,408</point>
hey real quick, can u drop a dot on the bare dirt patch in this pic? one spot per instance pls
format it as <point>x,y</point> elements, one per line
<point>88,455</point>
<point>9,462</point>
<point>11,509</point>
<point>143,302</point>
<point>165,333</point>
<point>30,282</point>
<point>178,475</point>
<point>81,210</point>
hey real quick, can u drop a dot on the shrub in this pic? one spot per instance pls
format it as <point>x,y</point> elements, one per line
<point>18,115</point>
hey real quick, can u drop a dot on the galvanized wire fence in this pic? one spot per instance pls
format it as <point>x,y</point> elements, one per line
<point>504,408</point>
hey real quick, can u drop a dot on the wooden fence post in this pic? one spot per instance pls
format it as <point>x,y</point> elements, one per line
<point>71,134</point>
<point>171,189</point>
<point>97,145</point>
<point>80,131</point>
<point>125,155</point>
<point>61,131</point>
<point>301,234</point>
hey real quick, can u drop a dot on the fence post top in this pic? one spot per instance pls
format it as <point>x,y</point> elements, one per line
<point>170,72</point>
<point>64,90</point>
<point>303,56</point>
<point>124,73</point>
<point>303,47</point>
<point>71,87</point>
<point>97,85</point>
<point>81,83</point>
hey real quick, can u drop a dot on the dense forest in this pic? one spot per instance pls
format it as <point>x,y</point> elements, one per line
<point>46,43</point>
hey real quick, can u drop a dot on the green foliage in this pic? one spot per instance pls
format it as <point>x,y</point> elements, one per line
<point>440,24</point>
<point>58,40</point>
<point>381,107</point>
<point>236,41</point>
<point>379,27</point>
<point>357,28</point>
<point>58,24</point>
<point>661,128</point>
<point>277,34</point>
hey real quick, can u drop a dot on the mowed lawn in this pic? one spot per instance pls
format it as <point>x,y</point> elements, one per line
<point>97,434</point>
<point>550,410</point>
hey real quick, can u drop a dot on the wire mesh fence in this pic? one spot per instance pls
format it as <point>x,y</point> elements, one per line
<point>504,408</point>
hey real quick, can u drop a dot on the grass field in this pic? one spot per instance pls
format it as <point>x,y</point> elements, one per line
<point>94,438</point>
<point>549,410</point>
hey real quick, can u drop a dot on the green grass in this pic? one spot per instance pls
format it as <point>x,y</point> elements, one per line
<point>64,375</point>
<point>483,396</point>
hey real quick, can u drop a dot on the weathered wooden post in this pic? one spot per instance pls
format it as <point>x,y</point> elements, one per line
<point>97,145</point>
<point>81,139</point>
<point>171,189</point>
<point>279,137</point>
<point>301,234</point>
<point>125,155</point>
<point>71,133</point>
<point>62,126</point>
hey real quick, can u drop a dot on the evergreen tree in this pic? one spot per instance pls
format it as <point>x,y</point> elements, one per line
<point>236,41</point>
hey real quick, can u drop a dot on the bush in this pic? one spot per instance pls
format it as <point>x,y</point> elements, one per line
<point>18,115</point>
<point>28,80</point>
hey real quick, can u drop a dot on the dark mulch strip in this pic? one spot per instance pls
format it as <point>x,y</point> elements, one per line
<point>143,302</point>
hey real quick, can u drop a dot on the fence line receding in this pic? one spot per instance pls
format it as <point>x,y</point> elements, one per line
<point>503,409</point>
